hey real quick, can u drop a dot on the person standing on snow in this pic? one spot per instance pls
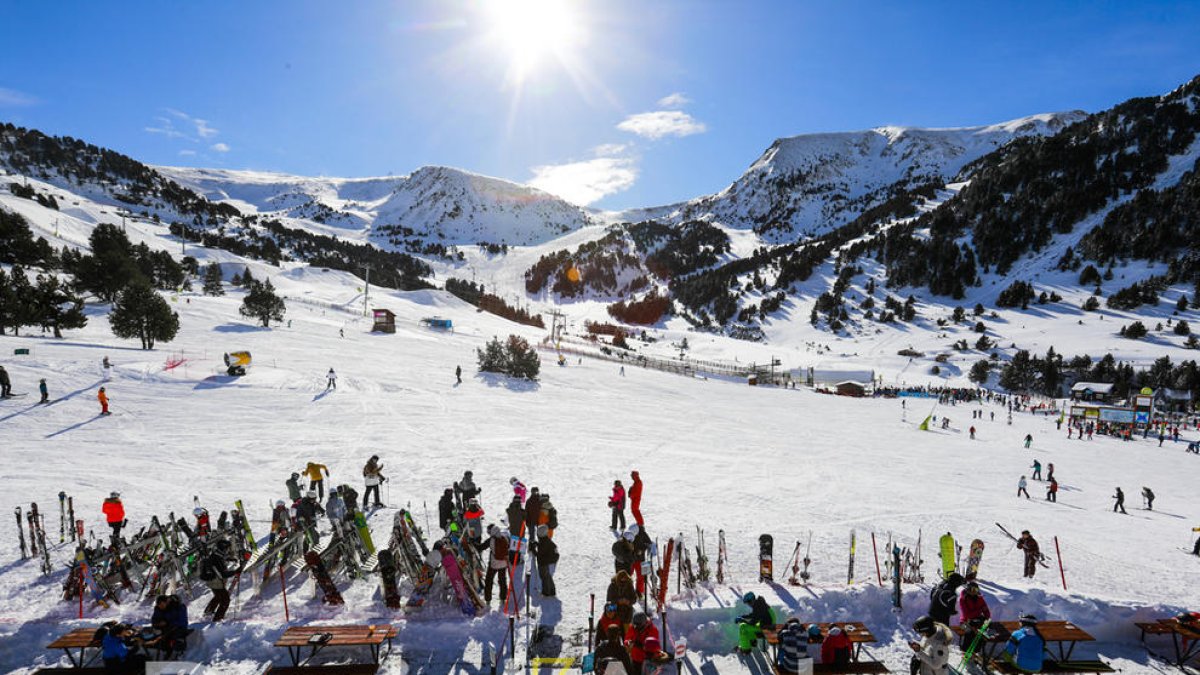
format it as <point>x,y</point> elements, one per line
<point>1028,439</point>
<point>546,554</point>
<point>316,481</point>
<point>641,631</point>
<point>335,508</point>
<point>533,514</point>
<point>943,597</point>
<point>465,490</point>
<point>519,490</point>
<point>45,392</point>
<point>446,509</point>
<point>1052,491</point>
<point>1148,495</point>
<point>1050,471</point>
<point>458,373</point>
<point>214,572</point>
<point>623,556</point>
<point>114,514</point>
<point>1120,503</point>
<point>373,477</point>
<point>497,564</point>
<point>641,553</point>
<point>516,527</point>
<point>473,518</point>
<point>1037,470</point>
<point>1032,552</point>
<point>635,498</point>
<point>1021,488</point>
<point>616,502</point>
<point>102,397</point>
<point>332,383</point>
<point>5,384</point>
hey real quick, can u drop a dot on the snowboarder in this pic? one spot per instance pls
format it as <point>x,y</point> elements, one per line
<point>1030,546</point>
<point>932,654</point>
<point>635,498</point>
<point>44,391</point>
<point>1120,503</point>
<point>446,509</point>
<point>1052,491</point>
<point>546,554</point>
<point>750,625</point>
<point>497,565</point>
<point>114,515</point>
<point>616,502</point>
<point>5,384</point>
<point>1037,470</point>
<point>214,572</point>
<point>1021,488</point>
<point>458,373</point>
<point>1148,495</point>
<point>102,397</point>
<point>943,596</point>
<point>1028,440</point>
<point>373,477</point>
<point>316,481</point>
<point>332,383</point>
<point>1025,646</point>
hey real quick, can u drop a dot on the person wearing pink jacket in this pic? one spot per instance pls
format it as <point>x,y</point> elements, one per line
<point>617,503</point>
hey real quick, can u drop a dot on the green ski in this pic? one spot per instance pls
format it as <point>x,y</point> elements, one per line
<point>364,532</point>
<point>250,540</point>
<point>946,552</point>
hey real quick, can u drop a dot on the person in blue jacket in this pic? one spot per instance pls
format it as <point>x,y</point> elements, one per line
<point>119,649</point>
<point>1025,646</point>
<point>170,619</point>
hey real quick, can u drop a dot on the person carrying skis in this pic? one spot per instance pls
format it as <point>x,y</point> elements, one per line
<point>316,481</point>
<point>635,498</point>
<point>44,391</point>
<point>942,598</point>
<point>214,572</point>
<point>102,397</point>
<point>750,625</point>
<point>932,654</point>
<point>640,631</point>
<point>519,490</point>
<point>1120,503</point>
<point>446,509</point>
<point>332,380</point>
<point>1148,495</point>
<point>546,554</point>
<point>623,556</point>
<point>1052,491</point>
<point>1021,488</point>
<point>616,502</point>
<point>1037,470</point>
<point>836,648</point>
<point>622,594</point>
<point>114,515</point>
<point>372,477</point>
<point>497,565</point>
<point>612,650</point>
<point>473,520</point>
<point>1025,646</point>
<point>1032,552</point>
<point>293,487</point>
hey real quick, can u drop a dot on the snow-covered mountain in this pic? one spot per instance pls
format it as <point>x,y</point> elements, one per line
<point>807,185</point>
<point>437,203</point>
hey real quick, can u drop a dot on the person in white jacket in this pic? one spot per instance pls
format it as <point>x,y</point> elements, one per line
<point>932,655</point>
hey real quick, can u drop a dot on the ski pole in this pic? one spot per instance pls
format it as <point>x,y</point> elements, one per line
<point>1058,553</point>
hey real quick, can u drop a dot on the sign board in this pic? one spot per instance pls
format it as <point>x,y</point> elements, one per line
<point>1142,401</point>
<point>1117,415</point>
<point>1142,417</point>
<point>1091,413</point>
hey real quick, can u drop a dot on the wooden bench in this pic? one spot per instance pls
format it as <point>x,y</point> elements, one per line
<point>1185,638</point>
<point>296,639</point>
<point>1056,667</point>
<point>349,669</point>
<point>870,667</point>
<point>81,639</point>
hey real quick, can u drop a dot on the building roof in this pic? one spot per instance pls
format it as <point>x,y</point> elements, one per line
<point>1097,387</point>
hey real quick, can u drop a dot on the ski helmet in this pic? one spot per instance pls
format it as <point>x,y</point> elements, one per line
<point>814,631</point>
<point>513,480</point>
<point>114,495</point>
<point>923,625</point>
<point>748,598</point>
<point>198,511</point>
<point>280,503</point>
<point>1027,620</point>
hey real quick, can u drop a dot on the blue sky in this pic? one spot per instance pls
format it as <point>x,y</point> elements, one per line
<point>616,103</point>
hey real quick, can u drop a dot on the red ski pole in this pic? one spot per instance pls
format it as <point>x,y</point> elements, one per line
<point>878,574</point>
<point>1060,565</point>
<point>287,617</point>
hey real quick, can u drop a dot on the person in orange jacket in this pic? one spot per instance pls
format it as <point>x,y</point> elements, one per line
<point>635,498</point>
<point>114,513</point>
<point>103,398</point>
<point>640,631</point>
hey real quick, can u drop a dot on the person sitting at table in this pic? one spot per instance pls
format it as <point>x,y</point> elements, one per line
<point>612,650</point>
<point>119,649</point>
<point>815,642</point>
<point>170,620</point>
<point>973,611</point>
<point>836,648</point>
<point>608,618</point>
<point>793,646</point>
<point>1025,646</point>
<point>750,625</point>
<point>932,655</point>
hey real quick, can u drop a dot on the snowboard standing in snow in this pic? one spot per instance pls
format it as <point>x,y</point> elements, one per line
<point>324,582</point>
<point>387,573</point>
<point>973,559</point>
<point>850,575</point>
<point>946,552</point>
<point>468,605</point>
<point>896,577</point>
<point>766,558</point>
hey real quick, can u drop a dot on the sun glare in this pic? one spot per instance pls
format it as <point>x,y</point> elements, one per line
<point>533,32</point>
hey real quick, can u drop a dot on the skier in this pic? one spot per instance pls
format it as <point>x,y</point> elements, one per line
<point>640,632</point>
<point>45,391</point>
<point>106,365</point>
<point>836,648</point>
<point>942,598</point>
<point>1050,471</point>
<point>516,523</point>
<point>622,594</point>
<point>1052,491</point>
<point>623,555</point>
<point>1030,546</point>
<point>1025,646</point>
<point>1021,488</point>
<point>1120,503</point>
<point>972,433</point>
<point>1028,439</point>
<point>497,564</point>
<point>214,572</point>
<point>373,477</point>
<point>635,498</point>
<point>458,373</point>
<point>332,380</point>
<point>1196,547</point>
<point>750,625</point>
<point>293,487</point>
<point>315,479</point>
<point>622,371</point>
<point>5,384</point>
<point>474,523</point>
<point>281,522</point>
<point>465,490</point>
<point>611,650</point>
<point>307,510</point>
<point>102,397</point>
<point>546,554</point>
<point>446,509</point>
<point>972,605</point>
<point>616,502</point>
<point>1037,470</point>
<point>519,490</point>
<point>932,655</point>
<point>114,515</point>
<point>1148,495</point>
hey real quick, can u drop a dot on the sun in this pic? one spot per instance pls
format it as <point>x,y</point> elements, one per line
<point>535,33</point>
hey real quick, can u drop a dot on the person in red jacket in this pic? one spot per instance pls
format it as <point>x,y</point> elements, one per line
<point>617,503</point>
<point>641,630</point>
<point>114,514</point>
<point>836,648</point>
<point>635,499</point>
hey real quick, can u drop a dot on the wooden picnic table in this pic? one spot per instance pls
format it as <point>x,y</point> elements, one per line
<point>83,639</point>
<point>296,638</point>
<point>1064,635</point>
<point>857,631</point>
<point>1184,637</point>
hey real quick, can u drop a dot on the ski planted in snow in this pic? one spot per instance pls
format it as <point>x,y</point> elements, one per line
<point>850,574</point>
<point>21,533</point>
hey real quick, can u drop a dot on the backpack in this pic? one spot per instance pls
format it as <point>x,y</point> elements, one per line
<point>207,571</point>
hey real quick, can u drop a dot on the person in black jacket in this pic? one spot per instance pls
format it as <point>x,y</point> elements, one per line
<point>641,551</point>
<point>214,573</point>
<point>612,650</point>
<point>446,509</point>
<point>546,553</point>
<point>533,513</point>
<point>943,599</point>
<point>623,554</point>
<point>516,527</point>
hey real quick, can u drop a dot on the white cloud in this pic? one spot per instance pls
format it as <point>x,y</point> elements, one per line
<point>610,149</point>
<point>195,129</point>
<point>660,123</point>
<point>585,182</point>
<point>187,153</point>
<point>203,130</point>
<point>675,100</point>
<point>220,147</point>
<point>14,98</point>
<point>165,127</point>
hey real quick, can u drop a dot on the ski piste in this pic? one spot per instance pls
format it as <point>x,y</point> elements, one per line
<point>766,558</point>
<point>1042,559</point>
<point>250,540</point>
<point>320,572</point>
<point>454,574</point>
<point>946,553</point>
<point>387,576</point>
<point>976,554</point>
<point>850,574</point>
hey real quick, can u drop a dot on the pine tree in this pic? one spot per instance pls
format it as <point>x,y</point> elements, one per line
<point>493,358</point>
<point>57,307</point>
<point>18,306</point>
<point>212,280</point>
<point>139,311</point>
<point>1182,304</point>
<point>523,360</point>
<point>262,304</point>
